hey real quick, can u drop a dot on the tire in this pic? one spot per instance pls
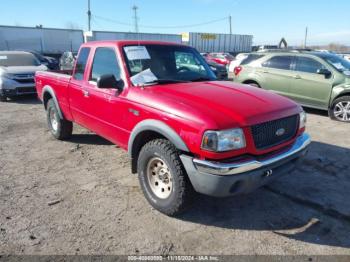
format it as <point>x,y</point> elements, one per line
<point>175,193</point>
<point>60,128</point>
<point>3,98</point>
<point>340,109</point>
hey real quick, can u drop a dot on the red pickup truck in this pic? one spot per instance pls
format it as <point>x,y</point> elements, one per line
<point>185,132</point>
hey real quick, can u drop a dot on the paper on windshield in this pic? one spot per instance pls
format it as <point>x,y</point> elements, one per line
<point>136,52</point>
<point>143,77</point>
<point>3,57</point>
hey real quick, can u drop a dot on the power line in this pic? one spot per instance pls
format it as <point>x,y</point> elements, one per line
<point>151,26</point>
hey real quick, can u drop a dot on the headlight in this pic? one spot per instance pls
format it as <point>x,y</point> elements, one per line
<point>302,120</point>
<point>5,75</point>
<point>220,141</point>
<point>213,68</point>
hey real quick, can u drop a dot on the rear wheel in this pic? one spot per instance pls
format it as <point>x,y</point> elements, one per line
<point>59,128</point>
<point>163,179</point>
<point>340,109</point>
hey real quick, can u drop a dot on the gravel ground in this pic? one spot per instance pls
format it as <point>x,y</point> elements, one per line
<point>79,197</point>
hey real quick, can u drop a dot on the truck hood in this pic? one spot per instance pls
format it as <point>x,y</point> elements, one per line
<point>218,104</point>
<point>22,69</point>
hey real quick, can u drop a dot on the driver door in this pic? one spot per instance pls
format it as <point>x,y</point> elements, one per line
<point>105,106</point>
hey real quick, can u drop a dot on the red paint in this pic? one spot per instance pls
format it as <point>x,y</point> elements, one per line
<point>188,108</point>
<point>222,61</point>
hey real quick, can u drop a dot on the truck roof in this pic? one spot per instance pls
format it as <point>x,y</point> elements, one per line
<point>129,42</point>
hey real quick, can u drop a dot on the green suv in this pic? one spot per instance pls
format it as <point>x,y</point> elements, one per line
<point>314,79</point>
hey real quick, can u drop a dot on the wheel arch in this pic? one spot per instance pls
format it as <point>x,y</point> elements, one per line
<point>47,94</point>
<point>251,81</point>
<point>148,130</point>
<point>341,94</point>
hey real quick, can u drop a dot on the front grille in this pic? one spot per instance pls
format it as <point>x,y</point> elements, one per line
<point>24,78</point>
<point>25,81</point>
<point>271,133</point>
<point>26,90</point>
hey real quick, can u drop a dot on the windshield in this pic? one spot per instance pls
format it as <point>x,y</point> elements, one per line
<point>338,63</point>
<point>23,59</point>
<point>151,63</point>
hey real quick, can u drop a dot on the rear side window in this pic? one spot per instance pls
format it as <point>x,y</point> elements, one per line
<point>279,62</point>
<point>250,58</point>
<point>81,63</point>
<point>307,65</point>
<point>105,62</point>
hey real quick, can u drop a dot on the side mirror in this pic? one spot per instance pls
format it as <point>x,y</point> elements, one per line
<point>109,81</point>
<point>325,72</point>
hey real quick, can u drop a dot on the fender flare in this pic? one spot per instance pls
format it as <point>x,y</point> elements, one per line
<point>159,127</point>
<point>49,89</point>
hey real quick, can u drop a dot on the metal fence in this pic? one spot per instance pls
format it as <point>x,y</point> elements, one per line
<point>44,40</point>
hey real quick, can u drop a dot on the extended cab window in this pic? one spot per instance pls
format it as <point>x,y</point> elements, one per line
<point>279,62</point>
<point>308,65</point>
<point>81,63</point>
<point>105,62</point>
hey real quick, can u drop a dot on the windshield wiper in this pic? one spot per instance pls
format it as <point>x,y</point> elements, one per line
<point>200,79</point>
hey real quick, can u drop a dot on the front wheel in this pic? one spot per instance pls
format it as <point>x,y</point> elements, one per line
<point>163,179</point>
<point>59,128</point>
<point>340,109</point>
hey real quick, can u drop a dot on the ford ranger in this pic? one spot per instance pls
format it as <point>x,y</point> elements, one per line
<point>185,132</point>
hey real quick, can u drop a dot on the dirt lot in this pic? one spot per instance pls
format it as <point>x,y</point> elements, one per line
<point>79,197</point>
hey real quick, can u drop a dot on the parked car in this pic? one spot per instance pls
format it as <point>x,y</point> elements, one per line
<point>17,71</point>
<point>184,131</point>
<point>48,61</point>
<point>237,61</point>
<point>314,79</point>
<point>219,70</point>
<point>67,60</point>
<point>220,58</point>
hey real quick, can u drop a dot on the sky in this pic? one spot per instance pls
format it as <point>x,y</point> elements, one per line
<point>268,20</point>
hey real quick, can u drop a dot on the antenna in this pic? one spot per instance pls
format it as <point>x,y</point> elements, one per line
<point>89,16</point>
<point>136,18</point>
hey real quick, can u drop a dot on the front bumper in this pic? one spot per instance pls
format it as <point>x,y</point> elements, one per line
<point>225,179</point>
<point>18,90</point>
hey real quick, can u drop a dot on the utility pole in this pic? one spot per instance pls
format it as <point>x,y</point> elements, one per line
<point>89,16</point>
<point>136,18</point>
<point>305,41</point>
<point>230,22</point>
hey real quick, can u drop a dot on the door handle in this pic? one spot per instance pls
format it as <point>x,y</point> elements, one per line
<point>86,93</point>
<point>297,77</point>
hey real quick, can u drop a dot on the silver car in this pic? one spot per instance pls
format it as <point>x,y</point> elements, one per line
<point>17,70</point>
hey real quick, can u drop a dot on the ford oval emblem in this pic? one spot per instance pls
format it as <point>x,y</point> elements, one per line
<point>280,132</point>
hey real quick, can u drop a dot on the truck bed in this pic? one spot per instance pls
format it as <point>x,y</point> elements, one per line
<point>58,82</point>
